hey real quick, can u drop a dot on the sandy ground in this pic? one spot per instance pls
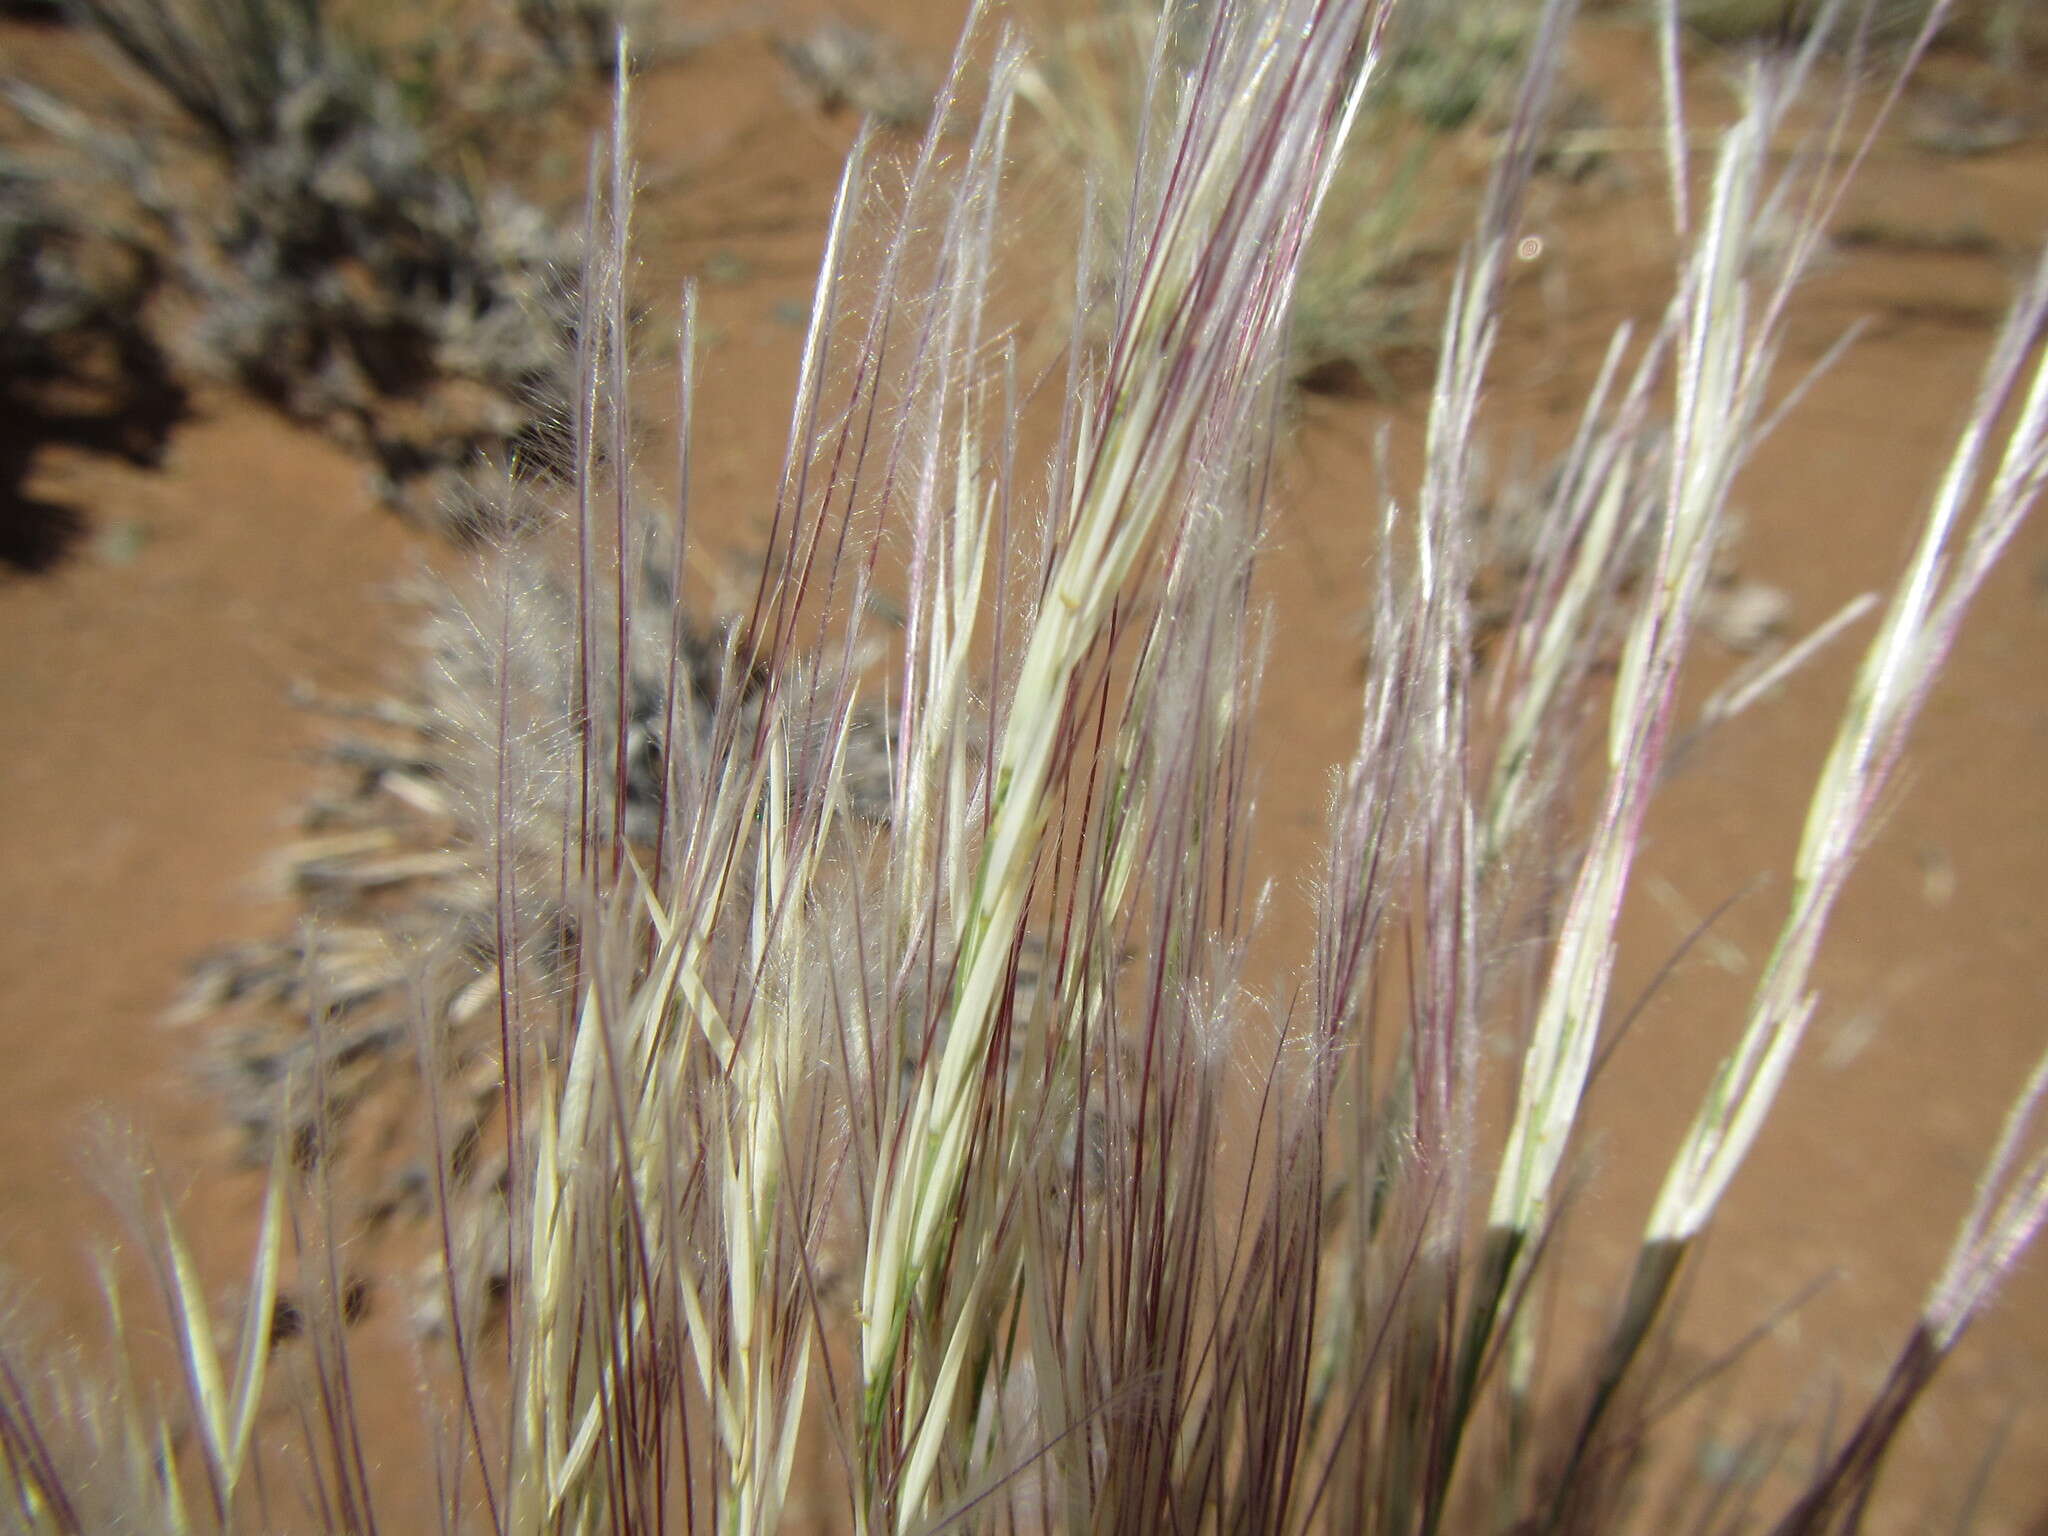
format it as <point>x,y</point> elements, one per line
<point>150,762</point>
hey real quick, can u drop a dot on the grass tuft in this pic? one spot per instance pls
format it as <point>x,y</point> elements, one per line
<point>329,259</point>
<point>863,1093</point>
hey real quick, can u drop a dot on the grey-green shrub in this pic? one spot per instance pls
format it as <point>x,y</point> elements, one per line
<point>338,266</point>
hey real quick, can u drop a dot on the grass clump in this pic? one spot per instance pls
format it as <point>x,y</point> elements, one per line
<point>77,361</point>
<point>331,260</point>
<point>65,293</point>
<point>930,1144</point>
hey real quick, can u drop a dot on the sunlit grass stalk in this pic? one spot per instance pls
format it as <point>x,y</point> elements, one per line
<point>1412,759</point>
<point>1596,517</point>
<point>1722,342</point>
<point>1953,557</point>
<point>1966,530</point>
<point>1239,179</point>
<point>1722,374</point>
<point>1913,639</point>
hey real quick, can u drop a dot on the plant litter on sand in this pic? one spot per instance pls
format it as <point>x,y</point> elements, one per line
<point>900,1136</point>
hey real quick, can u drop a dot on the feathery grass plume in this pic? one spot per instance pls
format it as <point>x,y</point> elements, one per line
<point>1406,819</point>
<point>1158,443</point>
<point>1362,289</point>
<point>1895,677</point>
<point>1724,339</point>
<point>81,1455</point>
<point>339,270</point>
<point>1158,456</point>
<point>1969,525</point>
<point>1586,538</point>
<point>1723,370</point>
<point>896,1135</point>
<point>1914,637</point>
